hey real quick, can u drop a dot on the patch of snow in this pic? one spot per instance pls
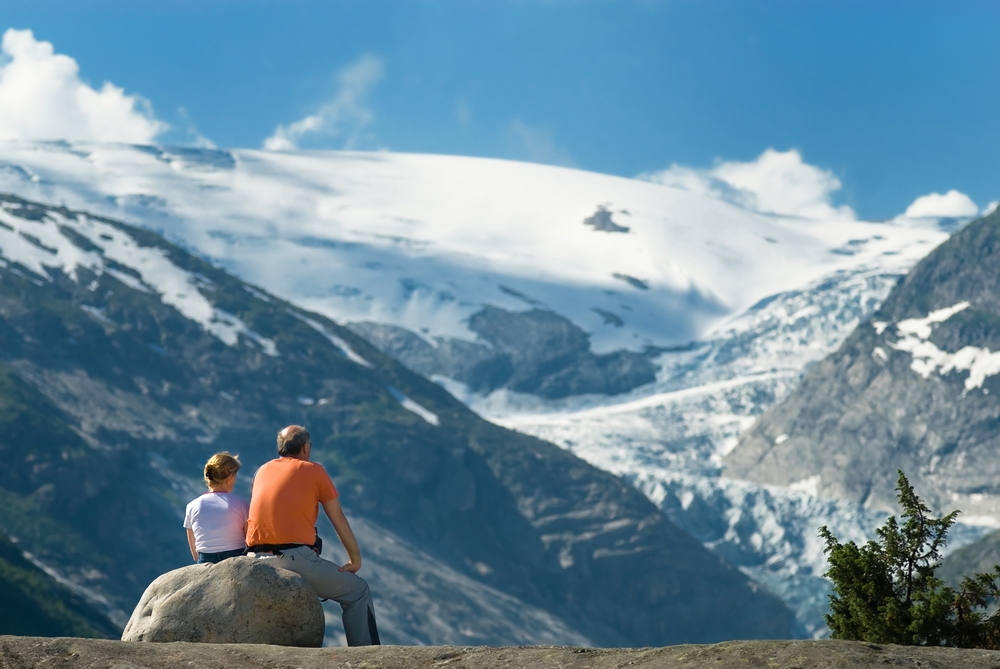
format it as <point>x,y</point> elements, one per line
<point>339,342</point>
<point>256,293</point>
<point>97,313</point>
<point>920,328</point>
<point>156,273</point>
<point>980,363</point>
<point>413,406</point>
<point>128,280</point>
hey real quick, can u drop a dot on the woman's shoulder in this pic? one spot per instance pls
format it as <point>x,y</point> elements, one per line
<point>195,504</point>
<point>234,499</point>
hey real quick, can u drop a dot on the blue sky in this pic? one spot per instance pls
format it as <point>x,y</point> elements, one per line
<point>896,99</point>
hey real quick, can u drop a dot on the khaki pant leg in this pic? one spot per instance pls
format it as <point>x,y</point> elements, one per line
<point>347,589</point>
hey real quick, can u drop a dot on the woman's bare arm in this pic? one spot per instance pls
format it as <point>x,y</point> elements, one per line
<point>194,551</point>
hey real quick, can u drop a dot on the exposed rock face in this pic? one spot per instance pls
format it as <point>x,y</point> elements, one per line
<point>240,600</point>
<point>85,653</point>
<point>535,351</point>
<point>978,557</point>
<point>916,389</point>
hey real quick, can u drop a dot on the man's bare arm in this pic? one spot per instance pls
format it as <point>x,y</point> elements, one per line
<point>336,515</point>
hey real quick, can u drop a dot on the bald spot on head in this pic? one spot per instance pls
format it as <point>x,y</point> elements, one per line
<point>291,440</point>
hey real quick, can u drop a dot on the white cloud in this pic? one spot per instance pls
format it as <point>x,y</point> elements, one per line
<point>343,116</point>
<point>777,182</point>
<point>950,205</point>
<point>42,97</point>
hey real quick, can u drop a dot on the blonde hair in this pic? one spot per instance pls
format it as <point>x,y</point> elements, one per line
<point>220,467</point>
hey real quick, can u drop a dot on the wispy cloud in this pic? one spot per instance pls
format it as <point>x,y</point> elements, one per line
<point>526,142</point>
<point>195,138</point>
<point>777,182</point>
<point>344,116</point>
<point>43,97</point>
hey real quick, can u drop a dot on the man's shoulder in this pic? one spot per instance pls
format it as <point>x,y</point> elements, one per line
<point>294,466</point>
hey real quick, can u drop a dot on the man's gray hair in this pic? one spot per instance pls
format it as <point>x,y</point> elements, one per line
<point>292,440</point>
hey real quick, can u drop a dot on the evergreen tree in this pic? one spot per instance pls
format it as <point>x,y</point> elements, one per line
<point>885,591</point>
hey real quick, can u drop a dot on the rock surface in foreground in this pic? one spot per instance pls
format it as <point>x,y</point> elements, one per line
<point>19,652</point>
<point>240,600</point>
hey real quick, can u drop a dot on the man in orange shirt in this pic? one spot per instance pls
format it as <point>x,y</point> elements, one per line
<point>284,506</point>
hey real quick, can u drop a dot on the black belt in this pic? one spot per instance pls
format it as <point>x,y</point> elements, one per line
<point>272,548</point>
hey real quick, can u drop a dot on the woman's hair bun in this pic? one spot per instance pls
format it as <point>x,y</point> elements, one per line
<point>220,467</point>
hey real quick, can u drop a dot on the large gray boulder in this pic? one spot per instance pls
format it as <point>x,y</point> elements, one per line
<point>240,600</point>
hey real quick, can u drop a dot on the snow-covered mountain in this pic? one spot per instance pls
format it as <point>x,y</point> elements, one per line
<point>532,292</point>
<point>424,241</point>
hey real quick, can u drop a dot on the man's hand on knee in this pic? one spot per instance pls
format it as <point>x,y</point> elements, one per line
<point>336,515</point>
<point>352,566</point>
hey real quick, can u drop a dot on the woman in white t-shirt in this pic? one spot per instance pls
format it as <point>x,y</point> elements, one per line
<point>216,522</point>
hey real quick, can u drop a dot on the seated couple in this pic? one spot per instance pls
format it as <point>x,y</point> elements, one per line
<point>279,523</point>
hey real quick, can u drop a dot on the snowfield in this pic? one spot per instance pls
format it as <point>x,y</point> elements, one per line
<point>422,241</point>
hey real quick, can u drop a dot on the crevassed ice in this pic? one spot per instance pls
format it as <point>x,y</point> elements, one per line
<point>39,246</point>
<point>914,333</point>
<point>808,485</point>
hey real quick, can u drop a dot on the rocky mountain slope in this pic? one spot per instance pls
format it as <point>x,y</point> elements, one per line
<point>914,388</point>
<point>127,361</point>
<point>977,557</point>
<point>36,604</point>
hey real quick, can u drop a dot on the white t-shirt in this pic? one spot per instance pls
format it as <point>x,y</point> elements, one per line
<point>217,519</point>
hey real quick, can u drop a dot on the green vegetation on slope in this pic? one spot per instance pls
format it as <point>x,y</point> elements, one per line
<point>34,604</point>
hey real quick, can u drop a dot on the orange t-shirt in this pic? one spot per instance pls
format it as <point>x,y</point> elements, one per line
<point>284,503</point>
